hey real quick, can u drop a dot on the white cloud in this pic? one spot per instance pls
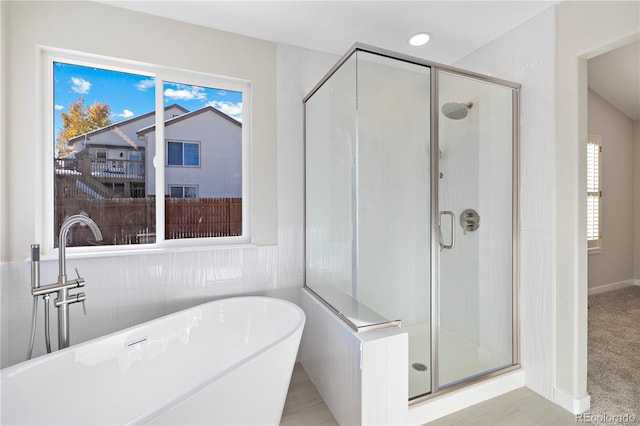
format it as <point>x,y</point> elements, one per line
<point>143,85</point>
<point>231,109</point>
<point>58,107</point>
<point>80,85</point>
<point>185,93</point>
<point>126,114</point>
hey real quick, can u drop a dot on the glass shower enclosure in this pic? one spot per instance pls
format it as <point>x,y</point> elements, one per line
<point>411,210</point>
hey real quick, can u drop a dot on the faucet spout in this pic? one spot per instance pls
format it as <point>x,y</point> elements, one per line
<point>63,286</point>
<point>62,241</point>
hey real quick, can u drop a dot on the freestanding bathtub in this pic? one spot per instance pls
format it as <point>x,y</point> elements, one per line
<point>224,362</point>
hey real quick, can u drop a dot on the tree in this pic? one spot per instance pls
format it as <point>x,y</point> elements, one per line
<point>78,121</point>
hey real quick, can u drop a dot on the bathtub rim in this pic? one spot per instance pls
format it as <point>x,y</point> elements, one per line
<point>150,415</point>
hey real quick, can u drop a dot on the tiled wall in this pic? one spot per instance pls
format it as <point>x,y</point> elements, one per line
<point>527,55</point>
<point>126,290</point>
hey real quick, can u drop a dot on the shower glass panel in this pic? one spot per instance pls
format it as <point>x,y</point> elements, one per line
<point>475,141</point>
<point>330,126</point>
<point>368,193</point>
<point>394,205</point>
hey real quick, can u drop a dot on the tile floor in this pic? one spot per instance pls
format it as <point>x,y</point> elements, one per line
<point>305,407</point>
<point>516,408</point>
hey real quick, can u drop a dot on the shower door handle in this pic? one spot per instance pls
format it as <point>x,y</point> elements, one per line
<point>452,243</point>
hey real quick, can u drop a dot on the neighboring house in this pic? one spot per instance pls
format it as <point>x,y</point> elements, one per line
<point>113,156</point>
<point>203,155</point>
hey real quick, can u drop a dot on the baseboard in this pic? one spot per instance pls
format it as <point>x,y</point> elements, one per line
<point>613,286</point>
<point>571,404</point>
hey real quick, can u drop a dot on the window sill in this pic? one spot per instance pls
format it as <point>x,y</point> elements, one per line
<point>594,250</point>
<point>92,252</point>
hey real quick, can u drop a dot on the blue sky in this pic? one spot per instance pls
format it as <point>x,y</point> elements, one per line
<point>130,95</point>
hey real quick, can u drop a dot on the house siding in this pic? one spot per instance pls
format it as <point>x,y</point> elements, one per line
<point>220,172</point>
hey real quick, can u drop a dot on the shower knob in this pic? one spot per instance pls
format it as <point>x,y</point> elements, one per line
<point>469,220</point>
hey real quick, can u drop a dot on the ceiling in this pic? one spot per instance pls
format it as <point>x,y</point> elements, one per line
<point>458,27</point>
<point>615,76</point>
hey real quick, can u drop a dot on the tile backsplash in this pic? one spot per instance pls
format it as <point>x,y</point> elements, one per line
<point>123,291</point>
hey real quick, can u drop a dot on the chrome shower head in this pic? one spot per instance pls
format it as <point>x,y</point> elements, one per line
<point>456,110</point>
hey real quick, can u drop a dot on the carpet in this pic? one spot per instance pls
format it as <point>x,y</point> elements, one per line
<point>613,378</point>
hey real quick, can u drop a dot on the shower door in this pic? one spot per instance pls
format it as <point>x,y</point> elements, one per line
<point>473,326</point>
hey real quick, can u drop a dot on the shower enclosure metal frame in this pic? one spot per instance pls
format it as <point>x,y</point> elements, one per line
<point>435,242</point>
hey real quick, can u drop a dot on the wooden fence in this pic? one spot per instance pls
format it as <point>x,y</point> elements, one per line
<point>202,217</point>
<point>132,220</point>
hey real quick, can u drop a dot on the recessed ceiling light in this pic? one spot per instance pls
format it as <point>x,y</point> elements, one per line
<point>419,39</point>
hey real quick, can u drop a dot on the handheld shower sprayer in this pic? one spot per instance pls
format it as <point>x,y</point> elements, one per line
<point>35,284</point>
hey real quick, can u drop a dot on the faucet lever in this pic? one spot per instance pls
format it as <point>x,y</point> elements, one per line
<point>77,273</point>
<point>84,308</point>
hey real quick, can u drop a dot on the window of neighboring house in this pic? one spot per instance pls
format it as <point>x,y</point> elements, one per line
<point>183,191</point>
<point>594,191</point>
<point>111,121</point>
<point>135,165</point>
<point>98,153</point>
<point>185,154</point>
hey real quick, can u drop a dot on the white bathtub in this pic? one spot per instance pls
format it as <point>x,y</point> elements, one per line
<point>223,362</point>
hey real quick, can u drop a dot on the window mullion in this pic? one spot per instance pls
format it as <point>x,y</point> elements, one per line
<point>159,161</point>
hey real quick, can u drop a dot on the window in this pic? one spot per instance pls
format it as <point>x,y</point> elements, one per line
<point>98,153</point>
<point>594,192</point>
<point>112,122</point>
<point>183,154</point>
<point>183,191</point>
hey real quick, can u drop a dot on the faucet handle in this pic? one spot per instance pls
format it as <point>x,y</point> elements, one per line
<point>77,273</point>
<point>80,297</point>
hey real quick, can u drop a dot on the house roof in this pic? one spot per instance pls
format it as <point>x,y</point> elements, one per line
<point>120,123</point>
<point>174,120</point>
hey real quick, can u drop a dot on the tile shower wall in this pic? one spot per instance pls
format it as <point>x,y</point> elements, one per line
<point>527,55</point>
<point>297,71</point>
<point>127,290</point>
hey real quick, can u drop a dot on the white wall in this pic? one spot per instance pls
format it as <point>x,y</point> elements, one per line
<point>584,29</point>
<point>129,289</point>
<point>614,262</point>
<point>527,55</point>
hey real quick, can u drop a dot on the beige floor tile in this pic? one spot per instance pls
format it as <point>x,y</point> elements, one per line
<point>304,405</point>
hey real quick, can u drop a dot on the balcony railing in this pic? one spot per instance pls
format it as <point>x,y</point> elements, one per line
<point>103,169</point>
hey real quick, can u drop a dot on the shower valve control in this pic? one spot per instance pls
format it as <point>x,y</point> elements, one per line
<point>469,220</point>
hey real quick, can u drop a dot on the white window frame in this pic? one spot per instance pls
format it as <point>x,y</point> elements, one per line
<point>594,147</point>
<point>46,56</point>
